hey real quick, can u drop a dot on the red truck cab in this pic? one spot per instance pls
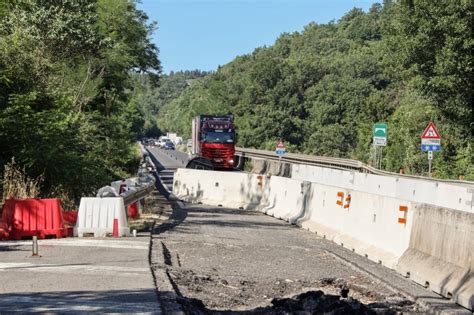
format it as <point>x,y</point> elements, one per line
<point>213,138</point>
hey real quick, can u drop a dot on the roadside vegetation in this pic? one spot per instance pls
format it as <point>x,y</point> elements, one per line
<point>404,63</point>
<point>16,184</point>
<point>151,99</point>
<point>68,93</point>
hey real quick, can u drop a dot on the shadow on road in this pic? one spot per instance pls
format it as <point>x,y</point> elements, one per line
<point>115,301</point>
<point>13,247</point>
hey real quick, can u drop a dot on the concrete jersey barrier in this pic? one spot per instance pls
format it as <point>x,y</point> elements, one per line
<point>96,216</point>
<point>225,189</point>
<point>453,196</point>
<point>285,198</point>
<point>441,253</point>
<point>373,226</point>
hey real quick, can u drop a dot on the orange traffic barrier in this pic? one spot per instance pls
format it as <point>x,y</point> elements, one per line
<point>33,217</point>
<point>7,212</point>
<point>70,217</point>
<point>132,210</point>
<point>3,231</point>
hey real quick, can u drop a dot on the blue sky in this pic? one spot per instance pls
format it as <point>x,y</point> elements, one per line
<point>203,34</point>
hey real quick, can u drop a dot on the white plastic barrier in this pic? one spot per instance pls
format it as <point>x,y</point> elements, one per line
<point>220,188</point>
<point>96,216</point>
<point>453,196</point>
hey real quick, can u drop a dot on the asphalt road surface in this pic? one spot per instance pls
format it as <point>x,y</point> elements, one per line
<point>168,162</point>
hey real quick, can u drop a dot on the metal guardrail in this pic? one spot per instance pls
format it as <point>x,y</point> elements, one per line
<point>336,163</point>
<point>144,186</point>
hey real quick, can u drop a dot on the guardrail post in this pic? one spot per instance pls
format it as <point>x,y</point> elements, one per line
<point>35,246</point>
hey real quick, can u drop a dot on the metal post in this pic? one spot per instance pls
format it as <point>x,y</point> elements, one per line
<point>430,158</point>
<point>380,158</point>
<point>373,155</point>
<point>377,156</point>
<point>374,162</point>
<point>35,245</point>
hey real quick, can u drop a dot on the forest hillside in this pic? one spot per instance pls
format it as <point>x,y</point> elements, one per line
<point>403,63</point>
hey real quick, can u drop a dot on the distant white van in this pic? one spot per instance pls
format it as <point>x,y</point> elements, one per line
<point>178,140</point>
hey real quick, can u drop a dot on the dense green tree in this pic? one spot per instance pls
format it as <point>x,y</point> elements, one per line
<point>67,106</point>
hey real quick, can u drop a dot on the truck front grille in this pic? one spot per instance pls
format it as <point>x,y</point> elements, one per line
<point>219,156</point>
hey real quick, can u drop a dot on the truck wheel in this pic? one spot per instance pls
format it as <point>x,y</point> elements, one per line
<point>200,163</point>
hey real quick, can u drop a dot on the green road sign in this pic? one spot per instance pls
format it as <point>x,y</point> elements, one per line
<point>379,132</point>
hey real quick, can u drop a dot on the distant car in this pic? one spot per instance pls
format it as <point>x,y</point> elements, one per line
<point>168,145</point>
<point>161,141</point>
<point>189,143</point>
<point>150,142</point>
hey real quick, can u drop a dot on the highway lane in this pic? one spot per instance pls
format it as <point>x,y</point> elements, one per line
<point>170,159</point>
<point>240,260</point>
<point>167,161</point>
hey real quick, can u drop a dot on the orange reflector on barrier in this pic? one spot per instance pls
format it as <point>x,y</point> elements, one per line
<point>348,201</point>
<point>259,181</point>
<point>404,209</point>
<point>340,196</point>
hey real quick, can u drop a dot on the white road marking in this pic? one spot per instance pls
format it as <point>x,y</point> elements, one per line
<point>80,242</point>
<point>84,269</point>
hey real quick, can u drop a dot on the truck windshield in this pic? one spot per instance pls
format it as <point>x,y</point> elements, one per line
<point>218,137</point>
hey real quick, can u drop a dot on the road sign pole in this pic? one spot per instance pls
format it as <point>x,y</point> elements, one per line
<point>429,168</point>
<point>430,158</point>
<point>373,154</point>
<point>380,158</point>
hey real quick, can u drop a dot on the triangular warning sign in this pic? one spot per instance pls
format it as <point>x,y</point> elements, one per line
<point>431,132</point>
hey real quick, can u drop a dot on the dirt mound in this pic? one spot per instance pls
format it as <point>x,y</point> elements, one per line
<point>211,294</point>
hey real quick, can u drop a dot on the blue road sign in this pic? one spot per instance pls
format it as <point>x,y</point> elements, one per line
<point>432,147</point>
